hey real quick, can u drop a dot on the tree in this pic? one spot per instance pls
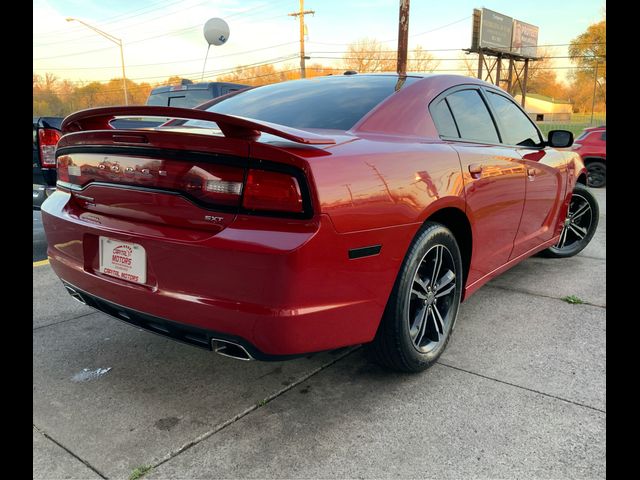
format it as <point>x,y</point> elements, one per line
<point>370,55</point>
<point>468,66</point>
<point>260,75</point>
<point>420,60</point>
<point>543,79</point>
<point>589,52</point>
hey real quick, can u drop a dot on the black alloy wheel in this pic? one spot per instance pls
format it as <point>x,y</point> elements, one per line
<point>423,306</point>
<point>579,226</point>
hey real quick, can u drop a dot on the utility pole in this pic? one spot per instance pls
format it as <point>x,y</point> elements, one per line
<point>385,184</point>
<point>403,37</point>
<point>115,40</point>
<point>593,100</point>
<point>301,14</point>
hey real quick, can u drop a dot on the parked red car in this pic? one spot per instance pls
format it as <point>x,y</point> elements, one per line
<point>592,147</point>
<point>313,214</point>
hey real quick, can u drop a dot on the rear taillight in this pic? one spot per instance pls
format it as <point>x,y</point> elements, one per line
<point>241,189</point>
<point>48,139</point>
<point>272,191</point>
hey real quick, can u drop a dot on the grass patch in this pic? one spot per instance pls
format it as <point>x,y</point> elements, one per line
<point>575,128</point>
<point>139,472</point>
<point>572,299</point>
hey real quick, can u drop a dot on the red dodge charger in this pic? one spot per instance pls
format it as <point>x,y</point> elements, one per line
<point>312,214</point>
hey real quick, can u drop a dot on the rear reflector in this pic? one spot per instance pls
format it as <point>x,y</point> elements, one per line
<point>48,139</point>
<point>273,191</point>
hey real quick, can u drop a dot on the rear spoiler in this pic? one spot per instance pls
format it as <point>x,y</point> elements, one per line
<point>230,125</point>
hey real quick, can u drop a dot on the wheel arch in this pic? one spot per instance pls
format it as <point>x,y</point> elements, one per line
<point>582,178</point>
<point>590,159</point>
<point>456,220</point>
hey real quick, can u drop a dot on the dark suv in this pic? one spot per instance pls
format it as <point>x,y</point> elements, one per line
<point>188,94</point>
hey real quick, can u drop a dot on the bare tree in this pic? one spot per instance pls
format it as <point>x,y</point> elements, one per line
<point>369,55</point>
<point>469,65</point>
<point>422,61</point>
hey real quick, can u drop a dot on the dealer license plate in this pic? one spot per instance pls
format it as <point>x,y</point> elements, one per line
<point>124,260</point>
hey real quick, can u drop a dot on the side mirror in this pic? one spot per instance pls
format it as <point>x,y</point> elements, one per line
<point>560,138</point>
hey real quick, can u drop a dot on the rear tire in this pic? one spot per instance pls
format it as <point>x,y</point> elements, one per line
<point>596,174</point>
<point>421,312</point>
<point>579,227</point>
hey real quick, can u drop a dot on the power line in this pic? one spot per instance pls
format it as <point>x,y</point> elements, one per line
<point>209,73</point>
<point>170,33</point>
<point>105,24</point>
<point>175,61</point>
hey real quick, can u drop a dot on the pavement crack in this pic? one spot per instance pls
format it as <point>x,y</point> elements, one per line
<point>62,321</point>
<point>591,258</point>
<point>87,464</point>
<point>535,294</point>
<point>248,410</point>
<point>522,388</point>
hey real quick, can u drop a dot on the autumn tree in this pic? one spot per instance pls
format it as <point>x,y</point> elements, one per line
<point>589,53</point>
<point>259,75</point>
<point>542,78</point>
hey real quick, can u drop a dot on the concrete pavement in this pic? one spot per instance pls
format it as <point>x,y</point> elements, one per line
<point>520,392</point>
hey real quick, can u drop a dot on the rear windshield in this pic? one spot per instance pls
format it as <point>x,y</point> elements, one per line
<point>335,102</point>
<point>180,98</point>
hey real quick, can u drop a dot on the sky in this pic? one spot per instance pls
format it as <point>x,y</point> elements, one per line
<point>163,38</point>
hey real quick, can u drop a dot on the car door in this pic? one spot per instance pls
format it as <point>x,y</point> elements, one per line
<point>545,168</point>
<point>494,177</point>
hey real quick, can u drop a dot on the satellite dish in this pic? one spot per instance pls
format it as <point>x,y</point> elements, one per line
<point>216,31</point>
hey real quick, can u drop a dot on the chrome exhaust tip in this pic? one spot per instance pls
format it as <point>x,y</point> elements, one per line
<point>230,349</point>
<point>74,294</point>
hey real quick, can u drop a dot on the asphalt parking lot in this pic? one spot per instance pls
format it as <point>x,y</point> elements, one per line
<point>519,393</point>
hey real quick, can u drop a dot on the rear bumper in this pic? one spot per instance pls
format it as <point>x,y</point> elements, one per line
<point>277,287</point>
<point>190,335</point>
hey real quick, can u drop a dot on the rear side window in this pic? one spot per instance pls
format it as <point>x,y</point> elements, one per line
<point>472,117</point>
<point>181,98</point>
<point>443,119</point>
<point>515,126</point>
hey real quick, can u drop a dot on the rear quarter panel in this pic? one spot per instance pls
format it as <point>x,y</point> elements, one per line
<point>371,183</point>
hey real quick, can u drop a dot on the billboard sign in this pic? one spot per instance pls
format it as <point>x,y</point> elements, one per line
<point>496,31</point>
<point>525,39</point>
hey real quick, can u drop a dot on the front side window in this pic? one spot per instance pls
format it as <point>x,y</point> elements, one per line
<point>472,117</point>
<point>516,128</point>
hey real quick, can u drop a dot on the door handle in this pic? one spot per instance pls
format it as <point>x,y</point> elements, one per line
<point>531,173</point>
<point>475,169</point>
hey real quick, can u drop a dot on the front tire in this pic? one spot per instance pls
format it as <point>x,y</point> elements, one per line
<point>422,309</point>
<point>579,227</point>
